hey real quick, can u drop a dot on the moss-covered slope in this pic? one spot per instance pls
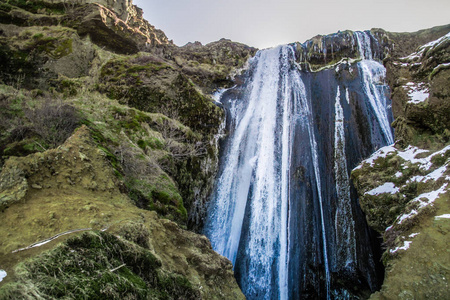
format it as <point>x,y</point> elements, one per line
<point>74,188</point>
<point>142,147</point>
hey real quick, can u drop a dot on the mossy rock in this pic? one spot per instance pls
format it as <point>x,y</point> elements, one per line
<point>97,265</point>
<point>159,195</point>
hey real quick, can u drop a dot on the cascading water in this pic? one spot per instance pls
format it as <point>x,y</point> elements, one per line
<point>373,74</point>
<point>284,210</point>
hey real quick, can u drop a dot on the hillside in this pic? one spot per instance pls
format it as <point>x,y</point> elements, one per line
<point>142,143</point>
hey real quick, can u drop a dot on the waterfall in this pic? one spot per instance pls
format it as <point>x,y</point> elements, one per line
<point>255,178</point>
<point>373,75</point>
<point>283,209</point>
<point>344,223</point>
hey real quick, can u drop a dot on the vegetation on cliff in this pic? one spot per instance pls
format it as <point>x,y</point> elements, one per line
<point>97,134</point>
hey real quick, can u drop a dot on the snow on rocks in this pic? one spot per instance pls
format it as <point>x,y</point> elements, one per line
<point>431,170</point>
<point>417,92</point>
<point>445,216</point>
<point>380,153</point>
<point>388,187</point>
<point>405,246</point>
<point>404,65</point>
<point>409,154</point>
<point>440,67</point>
<point>435,175</point>
<point>2,275</point>
<point>423,200</point>
<point>424,49</point>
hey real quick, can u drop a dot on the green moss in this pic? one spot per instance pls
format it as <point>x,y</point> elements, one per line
<point>38,36</point>
<point>158,195</point>
<point>127,71</point>
<point>23,148</point>
<point>131,124</point>
<point>113,160</point>
<point>68,87</point>
<point>151,142</point>
<point>132,119</point>
<point>439,160</point>
<point>97,265</point>
<point>35,6</point>
<point>5,7</point>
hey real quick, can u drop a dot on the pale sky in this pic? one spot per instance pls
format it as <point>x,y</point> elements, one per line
<point>268,23</point>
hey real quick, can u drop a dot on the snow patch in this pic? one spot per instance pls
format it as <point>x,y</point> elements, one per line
<point>441,66</point>
<point>411,152</point>
<point>435,175</point>
<point>436,42</point>
<point>398,174</point>
<point>418,96</point>
<point>423,200</point>
<point>446,216</point>
<point>382,152</point>
<point>417,92</point>
<point>2,275</point>
<point>421,51</point>
<point>407,216</point>
<point>404,65</point>
<point>413,234</point>
<point>405,246</point>
<point>388,187</point>
<point>430,196</point>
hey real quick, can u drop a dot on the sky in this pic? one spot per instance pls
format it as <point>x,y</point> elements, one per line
<point>268,23</point>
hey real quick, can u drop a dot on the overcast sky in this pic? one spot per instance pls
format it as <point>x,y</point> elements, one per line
<point>267,23</point>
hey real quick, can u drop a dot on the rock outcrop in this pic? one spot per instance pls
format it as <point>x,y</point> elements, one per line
<point>115,25</point>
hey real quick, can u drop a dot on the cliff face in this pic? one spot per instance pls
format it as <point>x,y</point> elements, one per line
<point>403,188</point>
<point>115,25</point>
